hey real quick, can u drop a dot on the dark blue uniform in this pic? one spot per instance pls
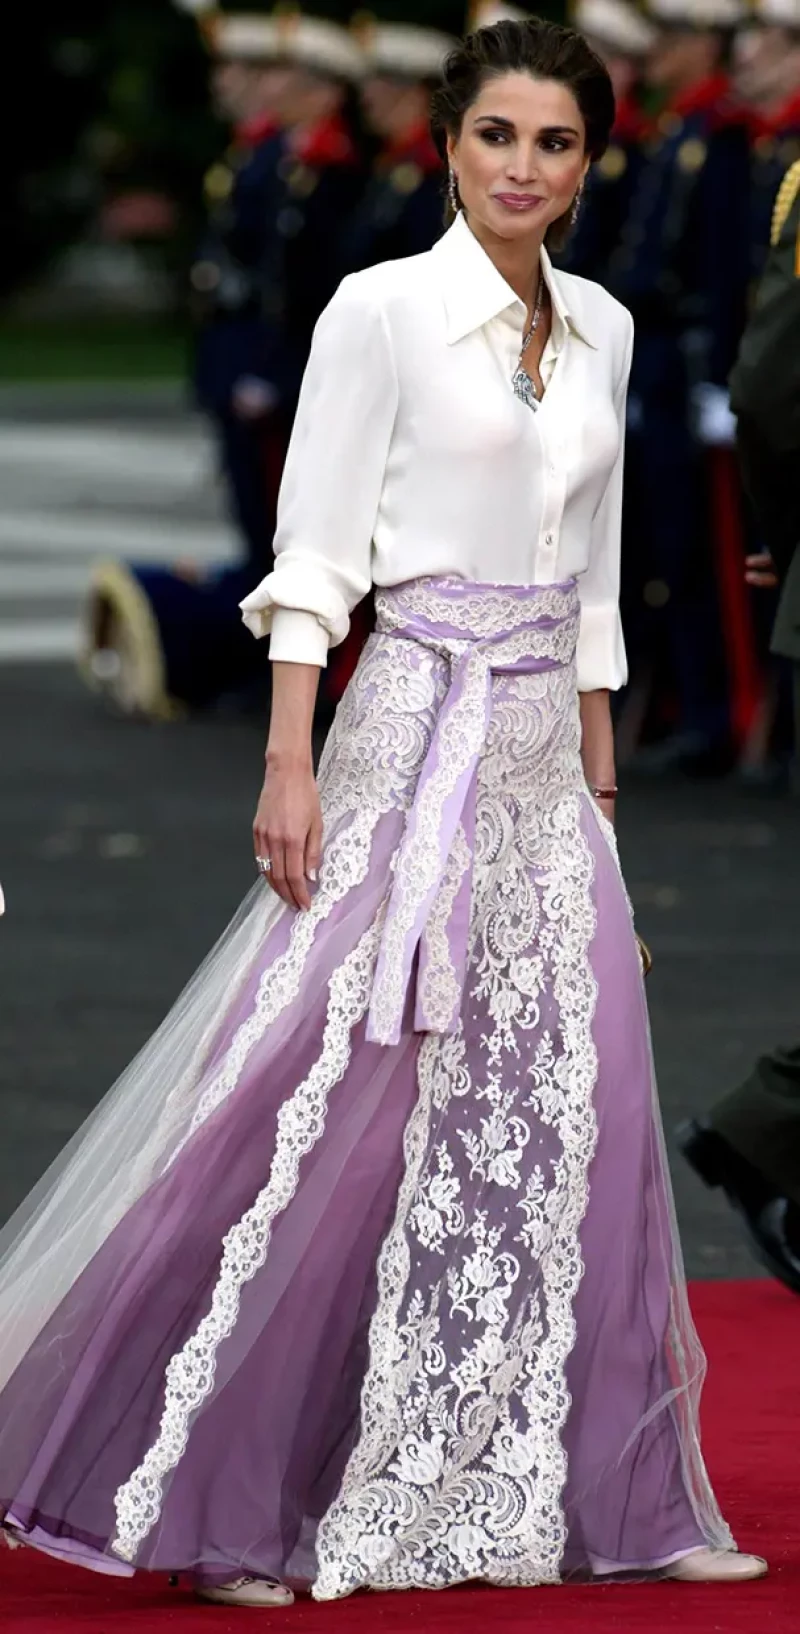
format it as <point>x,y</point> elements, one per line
<point>233,337</point>
<point>681,266</point>
<point>321,179</point>
<point>610,185</point>
<point>402,210</point>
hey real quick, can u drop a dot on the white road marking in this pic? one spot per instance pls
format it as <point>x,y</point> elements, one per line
<point>37,640</point>
<point>106,533</point>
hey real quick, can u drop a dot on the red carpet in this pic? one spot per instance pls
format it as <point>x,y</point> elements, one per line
<point>752,1438</point>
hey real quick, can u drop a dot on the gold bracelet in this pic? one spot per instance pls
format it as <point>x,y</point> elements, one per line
<point>604,794</point>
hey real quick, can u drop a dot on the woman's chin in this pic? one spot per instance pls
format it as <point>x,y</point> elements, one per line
<point>516,224</point>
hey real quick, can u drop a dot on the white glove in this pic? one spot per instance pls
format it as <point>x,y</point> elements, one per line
<point>714,423</point>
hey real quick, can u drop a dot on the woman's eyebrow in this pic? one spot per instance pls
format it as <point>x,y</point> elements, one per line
<point>508,124</point>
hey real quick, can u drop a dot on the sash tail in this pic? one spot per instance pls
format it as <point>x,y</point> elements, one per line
<point>484,630</point>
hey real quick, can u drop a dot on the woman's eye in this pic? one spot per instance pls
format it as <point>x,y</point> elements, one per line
<point>555,144</point>
<point>494,136</point>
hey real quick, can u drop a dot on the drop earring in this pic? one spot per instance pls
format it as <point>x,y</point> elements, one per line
<point>576,205</point>
<point>452,191</point>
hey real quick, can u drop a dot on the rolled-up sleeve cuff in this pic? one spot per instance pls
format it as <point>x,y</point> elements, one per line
<point>302,610</point>
<point>602,664</point>
<point>297,638</point>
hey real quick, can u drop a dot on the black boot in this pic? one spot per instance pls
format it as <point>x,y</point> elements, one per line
<point>771,1222</point>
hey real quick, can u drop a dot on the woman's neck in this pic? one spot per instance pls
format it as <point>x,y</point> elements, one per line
<point>518,263</point>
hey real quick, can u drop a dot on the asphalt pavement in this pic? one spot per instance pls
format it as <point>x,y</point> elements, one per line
<point>125,849</point>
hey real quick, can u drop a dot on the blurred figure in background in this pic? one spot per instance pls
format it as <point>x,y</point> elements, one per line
<point>750,1142</point>
<point>402,210</point>
<point>266,272</point>
<point>166,638</point>
<point>622,37</point>
<point>767,79</point>
<point>321,179</point>
<point>251,91</point>
<point>681,267</point>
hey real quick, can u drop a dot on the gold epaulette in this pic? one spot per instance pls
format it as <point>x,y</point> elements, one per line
<point>787,193</point>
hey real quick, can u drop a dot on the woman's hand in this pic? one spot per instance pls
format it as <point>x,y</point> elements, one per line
<point>288,828</point>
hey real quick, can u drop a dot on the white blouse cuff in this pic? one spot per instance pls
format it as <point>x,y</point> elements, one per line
<point>601,659</point>
<point>297,638</point>
<point>303,611</point>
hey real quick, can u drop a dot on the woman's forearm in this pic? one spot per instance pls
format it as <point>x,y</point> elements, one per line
<point>294,694</point>
<point>597,744</point>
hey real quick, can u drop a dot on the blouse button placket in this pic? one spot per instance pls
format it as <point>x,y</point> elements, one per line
<point>553,506</point>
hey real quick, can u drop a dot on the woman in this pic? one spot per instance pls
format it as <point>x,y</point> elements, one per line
<point>366,1274</point>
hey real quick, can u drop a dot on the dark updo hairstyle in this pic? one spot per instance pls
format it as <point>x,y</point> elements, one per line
<point>545,51</point>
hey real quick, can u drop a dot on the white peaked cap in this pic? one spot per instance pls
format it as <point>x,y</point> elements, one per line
<point>316,43</point>
<point>786,13</point>
<point>486,12</point>
<point>616,24</point>
<point>243,37</point>
<point>699,13</point>
<point>402,48</point>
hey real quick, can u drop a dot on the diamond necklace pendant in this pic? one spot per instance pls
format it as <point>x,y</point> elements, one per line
<point>522,383</point>
<point>524,388</point>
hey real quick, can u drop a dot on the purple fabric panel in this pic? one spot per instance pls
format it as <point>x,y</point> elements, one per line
<point>85,1404</point>
<point>625,1497</point>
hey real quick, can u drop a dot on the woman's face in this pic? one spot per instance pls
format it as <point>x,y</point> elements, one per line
<point>520,157</point>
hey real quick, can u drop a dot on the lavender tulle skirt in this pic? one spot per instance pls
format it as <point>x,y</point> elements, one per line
<point>366,1272</point>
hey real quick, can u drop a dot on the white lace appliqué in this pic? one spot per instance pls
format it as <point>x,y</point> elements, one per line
<point>459,1469</point>
<point>190,1374</point>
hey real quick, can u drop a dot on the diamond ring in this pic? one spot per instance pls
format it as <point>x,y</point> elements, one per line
<point>264,865</point>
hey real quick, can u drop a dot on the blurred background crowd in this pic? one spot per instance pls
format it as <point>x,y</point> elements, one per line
<point>197,181</point>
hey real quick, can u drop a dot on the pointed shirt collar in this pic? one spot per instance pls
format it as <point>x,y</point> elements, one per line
<point>475,292</point>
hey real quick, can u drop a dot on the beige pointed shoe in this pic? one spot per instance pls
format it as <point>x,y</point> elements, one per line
<point>259,1592</point>
<point>717,1566</point>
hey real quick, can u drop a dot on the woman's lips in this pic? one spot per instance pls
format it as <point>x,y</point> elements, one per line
<point>519,201</point>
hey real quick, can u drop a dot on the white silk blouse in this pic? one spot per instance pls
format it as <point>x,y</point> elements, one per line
<point>411,454</point>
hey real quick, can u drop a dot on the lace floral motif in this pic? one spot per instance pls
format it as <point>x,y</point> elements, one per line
<point>190,1374</point>
<point>439,986</point>
<point>483,611</point>
<point>459,1469</point>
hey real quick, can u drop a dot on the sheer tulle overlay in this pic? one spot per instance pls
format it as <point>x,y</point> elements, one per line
<point>366,1272</point>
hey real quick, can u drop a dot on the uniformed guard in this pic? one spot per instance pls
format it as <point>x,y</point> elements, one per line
<point>161,639</point>
<point>622,37</point>
<point>750,1142</point>
<point>681,268</point>
<point>250,88</point>
<point>767,78</point>
<point>321,178</point>
<point>402,211</point>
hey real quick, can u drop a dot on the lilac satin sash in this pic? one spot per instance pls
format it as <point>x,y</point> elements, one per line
<point>482,630</point>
